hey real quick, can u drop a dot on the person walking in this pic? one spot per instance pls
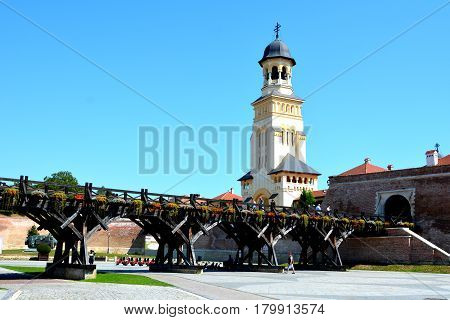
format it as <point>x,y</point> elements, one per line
<point>91,256</point>
<point>290,263</point>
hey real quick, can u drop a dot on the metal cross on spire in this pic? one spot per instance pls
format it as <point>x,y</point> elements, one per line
<point>437,145</point>
<point>277,29</point>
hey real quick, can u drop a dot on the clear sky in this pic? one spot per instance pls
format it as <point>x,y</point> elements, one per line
<point>198,62</point>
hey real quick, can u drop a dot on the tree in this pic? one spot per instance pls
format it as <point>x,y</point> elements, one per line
<point>306,199</point>
<point>32,231</point>
<point>61,178</point>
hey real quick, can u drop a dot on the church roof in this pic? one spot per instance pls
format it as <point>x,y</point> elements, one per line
<point>276,49</point>
<point>246,176</point>
<point>291,164</point>
<point>276,93</point>
<point>364,168</point>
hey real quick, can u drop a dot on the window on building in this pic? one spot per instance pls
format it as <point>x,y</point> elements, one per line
<point>283,73</point>
<point>288,179</point>
<point>274,73</point>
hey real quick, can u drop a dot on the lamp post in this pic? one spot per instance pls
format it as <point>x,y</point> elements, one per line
<point>109,236</point>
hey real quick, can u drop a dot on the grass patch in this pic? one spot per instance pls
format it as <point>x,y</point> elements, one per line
<point>102,277</point>
<point>21,252</point>
<point>123,278</point>
<point>31,271</point>
<point>405,268</point>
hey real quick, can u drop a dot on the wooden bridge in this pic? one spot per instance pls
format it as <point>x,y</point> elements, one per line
<point>72,214</point>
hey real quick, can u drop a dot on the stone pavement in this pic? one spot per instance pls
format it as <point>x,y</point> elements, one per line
<point>251,285</point>
<point>204,289</point>
<point>49,289</point>
<point>320,284</point>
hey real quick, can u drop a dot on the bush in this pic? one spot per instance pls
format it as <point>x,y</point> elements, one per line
<point>32,231</point>
<point>43,248</point>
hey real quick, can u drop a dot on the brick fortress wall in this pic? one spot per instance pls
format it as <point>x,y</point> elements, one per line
<point>356,194</point>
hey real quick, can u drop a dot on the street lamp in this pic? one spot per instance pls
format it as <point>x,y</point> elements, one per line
<point>109,236</point>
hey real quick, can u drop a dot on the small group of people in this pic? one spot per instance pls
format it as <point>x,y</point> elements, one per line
<point>319,208</point>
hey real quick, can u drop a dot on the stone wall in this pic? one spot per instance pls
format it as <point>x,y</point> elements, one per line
<point>216,247</point>
<point>124,235</point>
<point>400,246</point>
<point>13,230</point>
<point>431,203</point>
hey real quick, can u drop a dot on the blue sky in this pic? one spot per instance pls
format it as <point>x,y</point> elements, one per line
<point>199,63</point>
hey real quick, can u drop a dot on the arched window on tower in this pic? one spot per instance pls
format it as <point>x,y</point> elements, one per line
<point>283,73</point>
<point>274,73</point>
<point>267,74</point>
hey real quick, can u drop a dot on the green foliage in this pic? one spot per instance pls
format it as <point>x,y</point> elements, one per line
<point>304,218</point>
<point>62,178</point>
<point>121,278</point>
<point>405,268</point>
<point>306,199</point>
<point>43,248</point>
<point>30,271</point>
<point>32,231</point>
<point>58,201</point>
<point>9,198</point>
<point>137,206</point>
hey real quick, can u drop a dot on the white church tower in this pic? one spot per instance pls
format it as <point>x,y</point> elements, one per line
<point>278,142</point>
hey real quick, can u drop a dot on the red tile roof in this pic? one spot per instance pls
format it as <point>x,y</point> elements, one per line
<point>444,161</point>
<point>319,193</point>
<point>228,196</point>
<point>364,168</point>
<point>430,152</point>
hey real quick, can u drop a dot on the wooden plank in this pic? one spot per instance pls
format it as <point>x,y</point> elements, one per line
<point>100,221</point>
<point>329,234</point>
<point>263,230</point>
<point>70,219</point>
<point>180,225</point>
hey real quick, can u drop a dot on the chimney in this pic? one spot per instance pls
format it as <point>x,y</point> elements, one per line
<point>231,190</point>
<point>390,167</point>
<point>367,160</point>
<point>432,158</point>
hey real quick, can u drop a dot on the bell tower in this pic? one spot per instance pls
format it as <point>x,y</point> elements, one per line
<point>278,141</point>
<point>277,65</point>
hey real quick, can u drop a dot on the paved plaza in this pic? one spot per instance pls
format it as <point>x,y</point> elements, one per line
<point>237,285</point>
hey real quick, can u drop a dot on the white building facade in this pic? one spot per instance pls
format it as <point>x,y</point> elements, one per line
<point>278,143</point>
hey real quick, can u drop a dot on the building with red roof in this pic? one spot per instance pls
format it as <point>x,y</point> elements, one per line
<point>364,168</point>
<point>229,195</point>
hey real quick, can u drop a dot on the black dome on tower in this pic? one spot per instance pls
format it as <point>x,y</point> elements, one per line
<point>276,49</point>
